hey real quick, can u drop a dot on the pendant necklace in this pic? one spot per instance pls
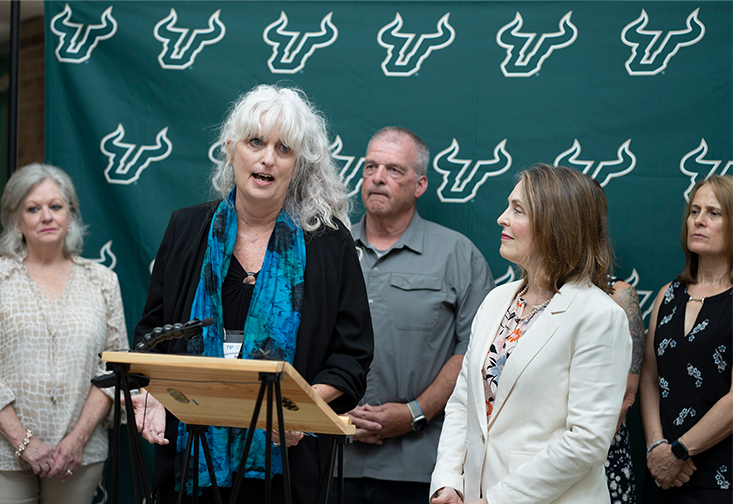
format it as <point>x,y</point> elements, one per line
<point>533,310</point>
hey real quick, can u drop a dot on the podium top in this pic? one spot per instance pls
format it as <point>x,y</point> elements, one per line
<point>223,392</point>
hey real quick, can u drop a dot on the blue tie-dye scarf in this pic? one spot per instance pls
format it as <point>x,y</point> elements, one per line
<point>270,329</point>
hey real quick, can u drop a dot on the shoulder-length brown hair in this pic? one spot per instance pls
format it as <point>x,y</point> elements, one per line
<point>567,213</point>
<point>722,187</point>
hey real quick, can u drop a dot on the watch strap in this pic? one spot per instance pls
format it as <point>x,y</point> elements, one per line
<point>415,409</point>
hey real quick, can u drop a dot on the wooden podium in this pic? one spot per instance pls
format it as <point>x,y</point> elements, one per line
<point>203,391</point>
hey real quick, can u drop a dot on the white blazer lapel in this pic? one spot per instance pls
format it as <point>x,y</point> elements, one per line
<point>530,345</point>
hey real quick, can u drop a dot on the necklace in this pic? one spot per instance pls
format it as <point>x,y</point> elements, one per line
<point>533,310</point>
<point>700,300</point>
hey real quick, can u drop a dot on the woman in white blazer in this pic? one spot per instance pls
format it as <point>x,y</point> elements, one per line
<point>538,397</point>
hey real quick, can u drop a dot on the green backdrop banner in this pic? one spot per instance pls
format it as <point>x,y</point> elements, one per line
<point>636,94</point>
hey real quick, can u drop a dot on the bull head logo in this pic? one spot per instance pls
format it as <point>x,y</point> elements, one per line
<point>289,58</point>
<point>652,59</point>
<point>186,48</point>
<point>694,164</point>
<point>410,56</point>
<point>528,60</point>
<point>130,159</point>
<point>461,184</point>
<point>76,44</point>
<point>106,256</point>
<point>622,165</point>
<point>350,172</point>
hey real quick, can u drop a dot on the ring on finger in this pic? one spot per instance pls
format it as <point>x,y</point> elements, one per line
<point>657,482</point>
<point>69,472</point>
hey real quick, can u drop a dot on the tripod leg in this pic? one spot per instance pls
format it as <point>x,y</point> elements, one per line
<point>116,439</point>
<point>283,447</point>
<point>210,465</point>
<point>133,435</point>
<point>136,454</point>
<point>268,447</point>
<point>326,484</point>
<point>184,468</point>
<point>196,440</point>
<point>247,444</point>
<point>340,493</point>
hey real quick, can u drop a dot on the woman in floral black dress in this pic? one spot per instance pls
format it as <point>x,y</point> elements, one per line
<point>686,396</point>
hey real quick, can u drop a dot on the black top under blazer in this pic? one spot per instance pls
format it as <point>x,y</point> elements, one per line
<point>334,344</point>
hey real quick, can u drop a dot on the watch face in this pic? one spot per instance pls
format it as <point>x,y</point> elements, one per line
<point>420,424</point>
<point>680,451</point>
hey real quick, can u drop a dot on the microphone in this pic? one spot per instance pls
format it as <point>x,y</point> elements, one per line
<point>190,330</point>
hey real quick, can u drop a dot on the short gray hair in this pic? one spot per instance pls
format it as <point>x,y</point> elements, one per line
<point>316,195</point>
<point>12,243</point>
<point>395,134</point>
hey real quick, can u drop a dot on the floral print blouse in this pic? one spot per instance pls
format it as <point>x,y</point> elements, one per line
<point>507,337</point>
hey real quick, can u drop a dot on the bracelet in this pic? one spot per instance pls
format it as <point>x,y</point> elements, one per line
<point>24,444</point>
<point>655,444</point>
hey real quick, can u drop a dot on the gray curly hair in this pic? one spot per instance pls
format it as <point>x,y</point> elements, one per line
<point>316,195</point>
<point>12,243</point>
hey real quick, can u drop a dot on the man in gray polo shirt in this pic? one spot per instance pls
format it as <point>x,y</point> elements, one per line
<point>425,283</point>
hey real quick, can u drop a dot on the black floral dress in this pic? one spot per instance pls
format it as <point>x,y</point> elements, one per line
<point>694,373</point>
<point>619,469</point>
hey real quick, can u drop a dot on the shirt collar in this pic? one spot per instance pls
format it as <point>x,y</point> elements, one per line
<point>412,238</point>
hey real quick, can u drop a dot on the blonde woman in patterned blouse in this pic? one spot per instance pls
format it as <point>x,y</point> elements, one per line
<point>57,313</point>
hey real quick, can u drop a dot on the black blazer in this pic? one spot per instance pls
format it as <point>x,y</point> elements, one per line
<point>334,343</point>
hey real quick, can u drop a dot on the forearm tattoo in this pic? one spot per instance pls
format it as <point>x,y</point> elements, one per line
<point>629,301</point>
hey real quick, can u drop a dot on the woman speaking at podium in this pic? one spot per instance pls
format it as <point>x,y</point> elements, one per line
<point>273,258</point>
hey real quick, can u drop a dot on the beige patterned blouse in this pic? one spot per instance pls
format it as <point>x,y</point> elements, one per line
<point>49,351</point>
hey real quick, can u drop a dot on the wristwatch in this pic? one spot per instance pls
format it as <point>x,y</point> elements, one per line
<point>680,451</point>
<point>419,422</point>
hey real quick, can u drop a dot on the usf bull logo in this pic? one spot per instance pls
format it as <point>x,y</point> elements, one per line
<point>694,165</point>
<point>215,150</point>
<point>605,170</point>
<point>290,49</point>
<point>186,47</point>
<point>648,58</point>
<point>529,58</point>
<point>644,295</point>
<point>128,161</point>
<point>106,256</point>
<point>77,43</point>
<point>507,277</point>
<point>350,173</point>
<point>460,184</point>
<point>409,57</point>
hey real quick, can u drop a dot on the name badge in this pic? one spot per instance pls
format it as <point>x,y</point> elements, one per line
<point>232,343</point>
